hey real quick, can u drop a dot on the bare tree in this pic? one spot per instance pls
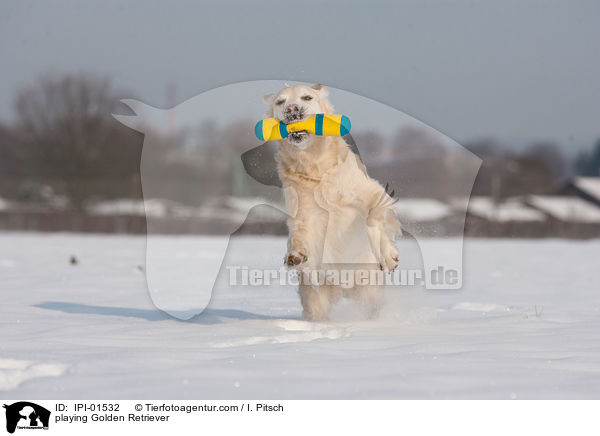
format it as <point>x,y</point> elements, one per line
<point>417,141</point>
<point>9,161</point>
<point>70,141</point>
<point>553,157</point>
<point>371,144</point>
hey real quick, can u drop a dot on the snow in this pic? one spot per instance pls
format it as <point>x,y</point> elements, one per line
<point>14,372</point>
<point>509,210</point>
<point>233,209</point>
<point>572,209</point>
<point>126,206</point>
<point>241,206</point>
<point>421,209</point>
<point>525,325</point>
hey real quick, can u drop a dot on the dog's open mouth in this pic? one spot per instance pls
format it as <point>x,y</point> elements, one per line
<point>298,136</point>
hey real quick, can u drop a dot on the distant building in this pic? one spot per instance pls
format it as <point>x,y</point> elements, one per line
<point>566,208</point>
<point>586,188</point>
<point>511,210</point>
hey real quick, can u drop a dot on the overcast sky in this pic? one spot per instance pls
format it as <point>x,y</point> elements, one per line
<point>519,71</point>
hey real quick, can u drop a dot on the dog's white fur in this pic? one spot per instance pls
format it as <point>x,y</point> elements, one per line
<point>339,217</point>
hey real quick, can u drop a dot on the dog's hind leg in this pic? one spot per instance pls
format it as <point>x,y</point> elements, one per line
<point>371,300</point>
<point>368,297</point>
<point>316,303</point>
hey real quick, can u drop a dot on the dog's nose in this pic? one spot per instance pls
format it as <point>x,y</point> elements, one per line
<point>291,109</point>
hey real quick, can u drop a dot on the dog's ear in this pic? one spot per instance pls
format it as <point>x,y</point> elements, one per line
<point>268,99</point>
<point>321,89</point>
<point>323,92</point>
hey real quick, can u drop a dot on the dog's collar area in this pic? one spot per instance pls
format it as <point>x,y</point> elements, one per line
<point>301,176</point>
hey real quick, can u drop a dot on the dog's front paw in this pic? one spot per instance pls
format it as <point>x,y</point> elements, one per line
<point>390,260</point>
<point>294,258</point>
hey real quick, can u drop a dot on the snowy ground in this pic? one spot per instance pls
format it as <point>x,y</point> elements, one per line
<point>525,325</point>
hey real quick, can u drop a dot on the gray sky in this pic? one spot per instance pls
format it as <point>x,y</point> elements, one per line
<point>518,71</point>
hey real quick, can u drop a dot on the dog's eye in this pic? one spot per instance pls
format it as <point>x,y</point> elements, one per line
<point>307,97</point>
<point>280,102</point>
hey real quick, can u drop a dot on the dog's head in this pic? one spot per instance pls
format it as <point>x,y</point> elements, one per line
<point>297,103</point>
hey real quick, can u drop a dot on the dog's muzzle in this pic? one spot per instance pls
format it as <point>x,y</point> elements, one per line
<point>297,136</point>
<point>293,112</point>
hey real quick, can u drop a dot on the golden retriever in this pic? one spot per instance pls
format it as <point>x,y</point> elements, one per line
<point>340,219</point>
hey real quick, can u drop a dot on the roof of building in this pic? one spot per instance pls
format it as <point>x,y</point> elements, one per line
<point>565,208</point>
<point>508,210</point>
<point>421,209</point>
<point>589,185</point>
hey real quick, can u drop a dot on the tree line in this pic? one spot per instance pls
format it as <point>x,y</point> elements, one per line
<point>64,143</point>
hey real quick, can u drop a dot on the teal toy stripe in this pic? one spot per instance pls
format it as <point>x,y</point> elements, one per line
<point>319,124</point>
<point>345,126</point>
<point>283,130</point>
<point>258,131</point>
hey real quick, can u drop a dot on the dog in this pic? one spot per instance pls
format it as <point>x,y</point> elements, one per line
<point>340,219</point>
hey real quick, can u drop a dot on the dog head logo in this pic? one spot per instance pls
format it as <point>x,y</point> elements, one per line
<point>26,415</point>
<point>182,272</point>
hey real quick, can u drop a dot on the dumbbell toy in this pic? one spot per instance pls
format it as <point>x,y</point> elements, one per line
<point>272,129</point>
